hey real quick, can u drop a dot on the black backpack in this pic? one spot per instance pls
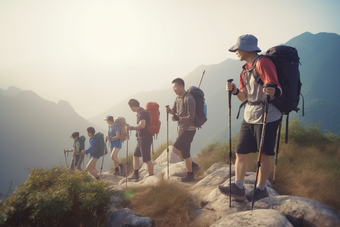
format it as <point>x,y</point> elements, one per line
<point>200,117</point>
<point>81,141</point>
<point>286,61</point>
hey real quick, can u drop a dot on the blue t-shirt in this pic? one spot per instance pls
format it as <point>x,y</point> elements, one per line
<point>93,145</point>
<point>115,143</point>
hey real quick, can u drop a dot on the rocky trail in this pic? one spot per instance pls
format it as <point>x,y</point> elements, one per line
<point>212,207</point>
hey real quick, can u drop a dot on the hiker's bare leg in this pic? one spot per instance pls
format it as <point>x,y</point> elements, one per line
<point>178,152</point>
<point>265,169</point>
<point>136,164</point>
<point>188,164</point>
<point>150,167</point>
<point>91,167</point>
<point>241,166</point>
<point>114,157</point>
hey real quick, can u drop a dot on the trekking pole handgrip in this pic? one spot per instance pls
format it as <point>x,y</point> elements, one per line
<point>270,85</point>
<point>230,80</point>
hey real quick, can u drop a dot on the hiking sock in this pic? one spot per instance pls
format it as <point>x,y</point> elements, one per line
<point>136,172</point>
<point>117,169</point>
<point>121,165</point>
<point>239,183</point>
<point>261,187</point>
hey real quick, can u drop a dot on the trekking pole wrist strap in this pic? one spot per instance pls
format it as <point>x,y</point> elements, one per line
<point>238,91</point>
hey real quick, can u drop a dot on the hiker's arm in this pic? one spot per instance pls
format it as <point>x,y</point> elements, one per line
<point>140,125</point>
<point>69,150</point>
<point>242,94</point>
<point>91,148</point>
<point>169,110</point>
<point>267,72</point>
<point>116,137</point>
<point>191,107</point>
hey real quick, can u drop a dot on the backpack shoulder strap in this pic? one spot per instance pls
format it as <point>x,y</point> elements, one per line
<point>253,68</point>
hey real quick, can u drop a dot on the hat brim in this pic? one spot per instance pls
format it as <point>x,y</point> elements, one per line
<point>248,49</point>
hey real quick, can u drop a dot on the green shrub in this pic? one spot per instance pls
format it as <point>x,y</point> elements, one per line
<point>305,135</point>
<point>53,197</point>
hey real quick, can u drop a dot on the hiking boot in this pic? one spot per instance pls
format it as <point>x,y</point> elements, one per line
<point>133,177</point>
<point>116,173</point>
<point>259,194</point>
<point>122,171</point>
<point>236,192</point>
<point>195,169</point>
<point>187,178</point>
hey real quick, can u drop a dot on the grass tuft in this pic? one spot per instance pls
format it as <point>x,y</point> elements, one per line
<point>168,203</point>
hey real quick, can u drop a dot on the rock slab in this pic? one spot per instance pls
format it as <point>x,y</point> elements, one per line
<point>126,217</point>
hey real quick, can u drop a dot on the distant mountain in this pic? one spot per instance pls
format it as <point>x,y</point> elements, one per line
<point>11,91</point>
<point>34,132</point>
<point>319,76</point>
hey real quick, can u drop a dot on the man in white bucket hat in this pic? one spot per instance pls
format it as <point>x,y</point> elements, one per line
<point>255,94</point>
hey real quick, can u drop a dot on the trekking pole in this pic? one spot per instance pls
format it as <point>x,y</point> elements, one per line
<point>201,79</point>
<point>127,156</point>
<point>167,138</point>
<point>230,153</point>
<point>83,161</point>
<point>103,158</point>
<point>277,148</point>
<point>65,159</point>
<point>262,141</point>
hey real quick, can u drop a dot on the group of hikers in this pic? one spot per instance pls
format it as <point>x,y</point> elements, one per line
<point>183,112</point>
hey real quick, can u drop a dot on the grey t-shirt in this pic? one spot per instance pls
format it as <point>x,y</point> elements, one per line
<point>184,107</point>
<point>253,114</point>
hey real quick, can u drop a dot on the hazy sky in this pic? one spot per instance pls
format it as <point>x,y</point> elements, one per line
<point>90,50</point>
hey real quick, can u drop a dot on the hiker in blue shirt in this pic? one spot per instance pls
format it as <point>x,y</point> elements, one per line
<point>91,166</point>
<point>115,144</point>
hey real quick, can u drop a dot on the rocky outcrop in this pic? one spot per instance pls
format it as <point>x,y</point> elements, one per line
<point>214,207</point>
<point>254,218</point>
<point>126,217</point>
<point>301,211</point>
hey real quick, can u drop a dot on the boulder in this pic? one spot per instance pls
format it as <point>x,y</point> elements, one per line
<point>176,170</point>
<point>219,202</point>
<point>143,171</point>
<point>217,177</point>
<point>254,218</point>
<point>301,211</point>
<point>212,169</point>
<point>126,217</point>
<point>173,158</point>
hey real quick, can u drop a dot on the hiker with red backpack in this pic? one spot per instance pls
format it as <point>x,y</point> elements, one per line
<point>144,139</point>
<point>255,123</point>
<point>114,134</point>
<point>183,112</point>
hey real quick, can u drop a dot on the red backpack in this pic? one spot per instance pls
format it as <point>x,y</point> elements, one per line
<point>154,123</point>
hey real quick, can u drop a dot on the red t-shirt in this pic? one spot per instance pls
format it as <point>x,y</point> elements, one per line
<point>266,71</point>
